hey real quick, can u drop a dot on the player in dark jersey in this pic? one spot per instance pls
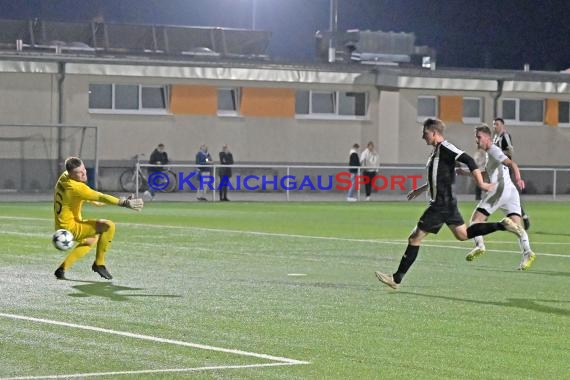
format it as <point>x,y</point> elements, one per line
<point>442,201</point>
<point>503,140</point>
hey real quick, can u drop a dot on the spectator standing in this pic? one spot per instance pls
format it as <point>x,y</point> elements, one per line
<point>354,163</point>
<point>157,157</point>
<point>203,161</point>
<point>370,161</point>
<point>225,172</point>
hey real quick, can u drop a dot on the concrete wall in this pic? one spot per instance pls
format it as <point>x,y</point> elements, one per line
<point>252,139</point>
<point>27,98</point>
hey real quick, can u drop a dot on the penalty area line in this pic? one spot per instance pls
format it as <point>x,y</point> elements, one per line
<point>155,339</point>
<point>147,371</point>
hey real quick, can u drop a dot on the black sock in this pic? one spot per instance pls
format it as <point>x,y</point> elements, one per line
<point>406,262</point>
<point>480,229</point>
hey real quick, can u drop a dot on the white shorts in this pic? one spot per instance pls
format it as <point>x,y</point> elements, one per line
<point>506,199</point>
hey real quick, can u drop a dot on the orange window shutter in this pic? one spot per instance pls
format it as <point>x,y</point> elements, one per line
<point>551,114</point>
<point>451,109</point>
<point>193,100</point>
<point>268,102</point>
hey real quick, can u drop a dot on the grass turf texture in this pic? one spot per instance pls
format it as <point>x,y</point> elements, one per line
<point>218,275</point>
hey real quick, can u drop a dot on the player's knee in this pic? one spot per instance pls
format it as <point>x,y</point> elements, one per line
<point>414,238</point>
<point>461,235</point>
<point>105,226</point>
<point>91,241</point>
<point>110,227</point>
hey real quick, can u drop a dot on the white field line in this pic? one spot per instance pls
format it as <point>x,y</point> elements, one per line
<point>155,339</point>
<point>17,233</point>
<point>329,238</point>
<point>146,371</point>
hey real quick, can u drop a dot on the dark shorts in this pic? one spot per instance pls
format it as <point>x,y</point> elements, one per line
<point>435,216</point>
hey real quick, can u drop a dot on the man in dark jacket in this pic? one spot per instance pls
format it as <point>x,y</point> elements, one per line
<point>354,163</point>
<point>157,157</point>
<point>203,161</point>
<point>225,172</point>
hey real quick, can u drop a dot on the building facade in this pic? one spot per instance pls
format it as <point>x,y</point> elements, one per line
<point>273,113</point>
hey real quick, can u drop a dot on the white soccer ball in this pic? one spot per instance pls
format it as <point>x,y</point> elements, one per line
<point>63,240</point>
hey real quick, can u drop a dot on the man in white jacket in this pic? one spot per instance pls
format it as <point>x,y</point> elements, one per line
<point>370,162</point>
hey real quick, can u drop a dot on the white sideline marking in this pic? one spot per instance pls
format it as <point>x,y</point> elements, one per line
<point>331,238</point>
<point>296,274</point>
<point>145,371</point>
<point>155,339</point>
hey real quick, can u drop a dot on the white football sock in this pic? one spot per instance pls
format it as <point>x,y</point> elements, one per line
<point>524,243</point>
<point>479,242</point>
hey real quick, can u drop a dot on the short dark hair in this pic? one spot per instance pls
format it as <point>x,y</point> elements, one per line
<point>484,128</point>
<point>499,119</point>
<point>72,163</point>
<point>434,124</point>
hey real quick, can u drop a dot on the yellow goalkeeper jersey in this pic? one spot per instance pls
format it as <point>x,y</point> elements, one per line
<point>68,199</point>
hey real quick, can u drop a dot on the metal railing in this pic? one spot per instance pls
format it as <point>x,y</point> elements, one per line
<point>539,180</point>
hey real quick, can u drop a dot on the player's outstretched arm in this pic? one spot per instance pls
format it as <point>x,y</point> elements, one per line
<point>476,174</point>
<point>136,204</point>
<point>515,168</point>
<point>414,193</point>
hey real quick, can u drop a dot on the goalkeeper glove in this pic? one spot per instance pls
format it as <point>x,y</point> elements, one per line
<point>132,203</point>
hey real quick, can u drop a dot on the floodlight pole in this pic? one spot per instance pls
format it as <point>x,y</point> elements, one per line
<point>333,29</point>
<point>253,9</point>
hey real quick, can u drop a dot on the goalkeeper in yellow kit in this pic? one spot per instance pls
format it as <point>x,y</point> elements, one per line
<point>71,191</point>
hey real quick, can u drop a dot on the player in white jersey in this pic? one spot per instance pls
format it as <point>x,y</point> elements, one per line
<point>504,195</point>
<point>503,140</point>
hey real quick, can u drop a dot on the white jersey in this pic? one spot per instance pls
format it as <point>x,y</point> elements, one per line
<point>505,195</point>
<point>497,172</point>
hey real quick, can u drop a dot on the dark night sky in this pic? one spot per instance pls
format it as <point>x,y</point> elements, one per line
<point>502,34</point>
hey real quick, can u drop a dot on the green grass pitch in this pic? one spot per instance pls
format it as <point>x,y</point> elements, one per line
<point>282,291</point>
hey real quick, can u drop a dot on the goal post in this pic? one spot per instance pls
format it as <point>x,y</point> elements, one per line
<point>32,155</point>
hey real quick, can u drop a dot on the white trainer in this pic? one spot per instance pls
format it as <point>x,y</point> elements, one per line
<point>387,279</point>
<point>474,253</point>
<point>527,260</point>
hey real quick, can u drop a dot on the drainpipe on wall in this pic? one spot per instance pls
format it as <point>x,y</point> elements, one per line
<point>333,29</point>
<point>60,79</point>
<point>496,97</point>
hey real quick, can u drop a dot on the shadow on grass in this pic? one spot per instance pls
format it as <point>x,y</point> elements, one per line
<point>527,272</point>
<point>522,303</point>
<point>110,291</point>
<point>548,273</point>
<point>549,233</point>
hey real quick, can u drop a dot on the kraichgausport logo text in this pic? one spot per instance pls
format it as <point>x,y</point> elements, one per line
<point>341,181</point>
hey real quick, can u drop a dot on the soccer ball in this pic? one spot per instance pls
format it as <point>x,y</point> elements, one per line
<point>62,240</point>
